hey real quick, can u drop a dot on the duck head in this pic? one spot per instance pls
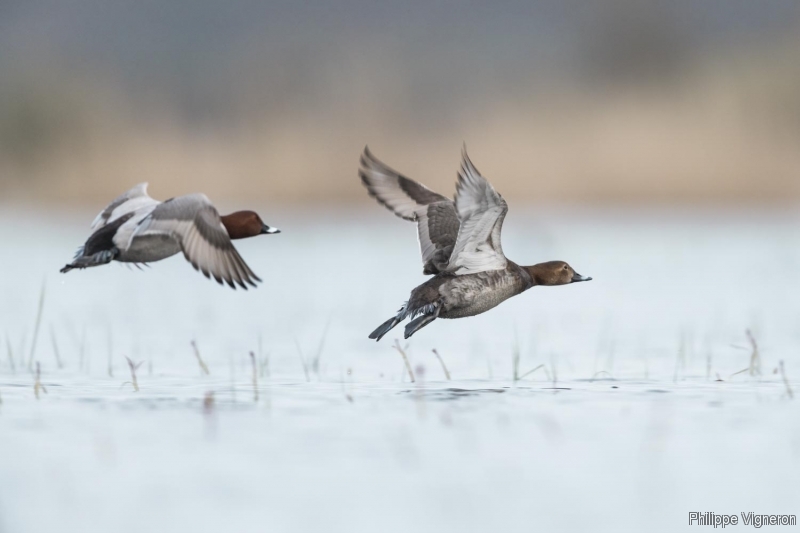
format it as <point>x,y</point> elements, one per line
<point>244,224</point>
<point>554,273</point>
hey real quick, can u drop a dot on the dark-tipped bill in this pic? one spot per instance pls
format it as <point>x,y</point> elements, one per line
<point>266,230</point>
<point>577,277</point>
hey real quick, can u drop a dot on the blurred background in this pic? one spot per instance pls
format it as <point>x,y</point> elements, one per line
<point>559,101</point>
<point>654,145</point>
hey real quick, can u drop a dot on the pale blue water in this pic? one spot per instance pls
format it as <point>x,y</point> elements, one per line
<point>619,432</point>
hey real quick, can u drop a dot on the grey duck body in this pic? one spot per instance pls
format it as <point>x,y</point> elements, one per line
<point>149,248</point>
<point>470,294</point>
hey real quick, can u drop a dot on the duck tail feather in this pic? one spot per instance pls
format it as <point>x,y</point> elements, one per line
<point>100,258</point>
<point>384,328</point>
<point>417,324</point>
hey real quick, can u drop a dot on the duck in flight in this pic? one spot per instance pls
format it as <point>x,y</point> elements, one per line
<point>460,245</point>
<point>137,229</point>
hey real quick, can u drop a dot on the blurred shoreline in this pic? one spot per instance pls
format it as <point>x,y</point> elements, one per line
<point>633,103</point>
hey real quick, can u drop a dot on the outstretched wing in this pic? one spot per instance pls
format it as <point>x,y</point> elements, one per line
<point>126,203</point>
<point>481,211</point>
<point>435,215</point>
<point>195,223</point>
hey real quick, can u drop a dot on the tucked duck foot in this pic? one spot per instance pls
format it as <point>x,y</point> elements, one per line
<point>418,323</point>
<point>384,328</point>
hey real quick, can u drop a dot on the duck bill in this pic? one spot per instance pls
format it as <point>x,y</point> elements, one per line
<point>577,277</point>
<point>267,230</point>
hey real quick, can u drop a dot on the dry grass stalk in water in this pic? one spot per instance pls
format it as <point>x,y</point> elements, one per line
<point>208,403</point>
<point>318,355</point>
<point>755,355</point>
<point>554,368</point>
<point>754,369</point>
<point>134,367</point>
<point>782,369</point>
<point>302,360</point>
<point>529,372</point>
<point>602,372</point>
<point>263,360</point>
<point>441,361</point>
<point>200,361</point>
<point>255,376</point>
<point>405,359</point>
<point>56,352</point>
<point>37,385</point>
<point>347,395</point>
<point>36,327</point>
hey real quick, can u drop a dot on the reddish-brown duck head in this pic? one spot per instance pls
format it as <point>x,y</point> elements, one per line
<point>244,224</point>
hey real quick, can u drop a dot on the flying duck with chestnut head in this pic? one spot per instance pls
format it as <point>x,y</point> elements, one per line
<point>137,229</point>
<point>460,245</point>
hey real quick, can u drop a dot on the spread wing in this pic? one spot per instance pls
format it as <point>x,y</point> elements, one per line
<point>128,202</point>
<point>435,215</point>
<point>195,223</point>
<point>481,211</point>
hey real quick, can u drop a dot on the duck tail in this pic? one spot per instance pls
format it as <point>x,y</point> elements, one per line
<point>100,258</point>
<point>384,328</point>
<point>429,314</point>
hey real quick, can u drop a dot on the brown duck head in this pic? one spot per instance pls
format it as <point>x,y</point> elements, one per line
<point>554,273</point>
<point>244,224</point>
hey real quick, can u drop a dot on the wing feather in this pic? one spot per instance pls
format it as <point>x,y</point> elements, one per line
<point>435,215</point>
<point>195,223</point>
<point>127,202</point>
<point>481,210</point>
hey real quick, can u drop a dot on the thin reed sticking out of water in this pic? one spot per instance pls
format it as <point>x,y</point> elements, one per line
<point>37,385</point>
<point>782,369</point>
<point>610,376</point>
<point>208,402</point>
<point>255,376</point>
<point>302,360</point>
<point>515,359</point>
<point>36,326</point>
<point>318,355</point>
<point>529,372</point>
<point>200,361</point>
<point>263,360</point>
<point>134,367</point>
<point>405,359</point>
<point>554,368</point>
<point>755,355</point>
<point>347,395</point>
<point>441,361</point>
<point>754,368</point>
